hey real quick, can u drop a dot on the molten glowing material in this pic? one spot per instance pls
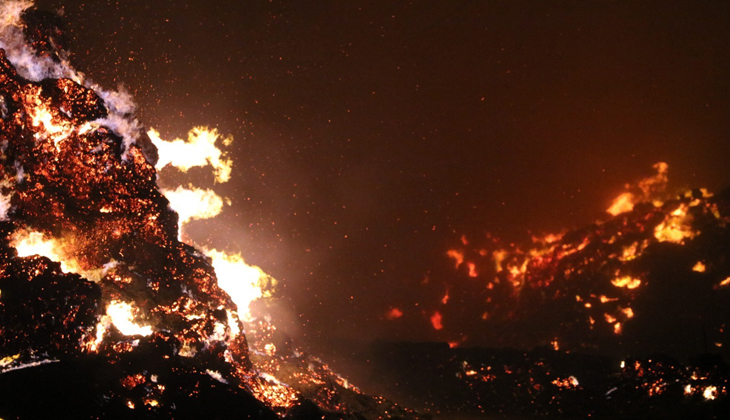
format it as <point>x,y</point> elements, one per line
<point>199,150</point>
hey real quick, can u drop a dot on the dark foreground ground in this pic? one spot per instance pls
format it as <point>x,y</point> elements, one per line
<point>474,383</point>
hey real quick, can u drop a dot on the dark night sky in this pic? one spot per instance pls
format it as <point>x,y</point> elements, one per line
<point>369,134</point>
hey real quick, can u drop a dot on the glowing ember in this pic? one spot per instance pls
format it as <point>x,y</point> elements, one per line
<point>393,313</point>
<point>675,228</point>
<point>647,189</point>
<point>622,204</point>
<point>473,270</point>
<point>520,281</point>
<point>627,282</point>
<point>568,383</point>
<point>436,321</point>
<point>457,256</point>
<point>710,393</point>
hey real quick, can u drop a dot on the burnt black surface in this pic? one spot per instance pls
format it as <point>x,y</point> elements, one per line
<point>88,388</point>
<point>480,382</point>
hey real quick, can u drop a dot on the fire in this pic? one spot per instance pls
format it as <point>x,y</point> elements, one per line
<point>647,190</point>
<point>570,382</point>
<point>29,243</point>
<point>609,263</point>
<point>122,314</point>
<point>199,150</point>
<point>244,283</point>
<point>675,228</point>
<point>627,282</point>
<point>194,203</point>
<point>35,243</point>
<point>80,188</point>
<point>622,204</point>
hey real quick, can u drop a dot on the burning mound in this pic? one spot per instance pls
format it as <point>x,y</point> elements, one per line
<point>104,312</point>
<point>624,318</point>
<point>654,277</point>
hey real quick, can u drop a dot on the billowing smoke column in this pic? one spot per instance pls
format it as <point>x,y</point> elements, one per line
<point>104,312</point>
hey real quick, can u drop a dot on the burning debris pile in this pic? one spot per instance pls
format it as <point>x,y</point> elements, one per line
<point>600,315</point>
<point>104,312</point>
<point>654,277</point>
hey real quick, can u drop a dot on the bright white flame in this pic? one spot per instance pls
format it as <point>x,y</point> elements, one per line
<point>35,243</point>
<point>121,314</point>
<point>29,243</point>
<point>194,203</point>
<point>243,282</point>
<point>198,150</point>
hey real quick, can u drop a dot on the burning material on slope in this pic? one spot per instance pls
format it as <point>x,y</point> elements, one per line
<point>630,283</point>
<point>93,275</point>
